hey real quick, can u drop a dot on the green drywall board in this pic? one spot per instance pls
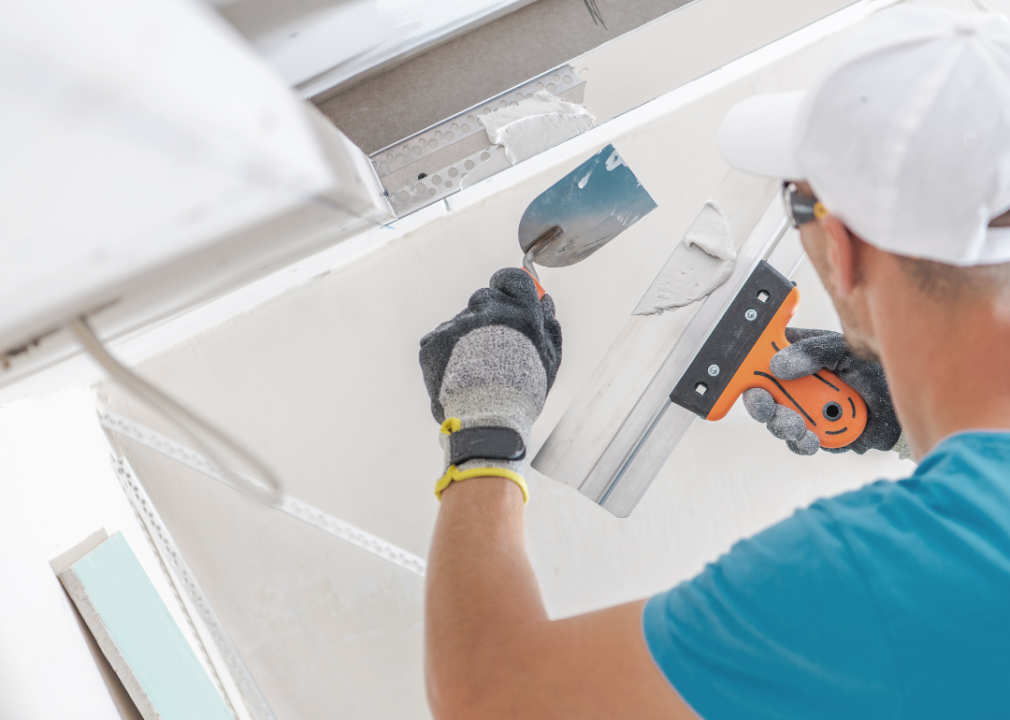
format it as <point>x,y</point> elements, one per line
<point>151,643</point>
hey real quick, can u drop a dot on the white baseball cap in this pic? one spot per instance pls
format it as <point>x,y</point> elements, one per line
<point>905,136</point>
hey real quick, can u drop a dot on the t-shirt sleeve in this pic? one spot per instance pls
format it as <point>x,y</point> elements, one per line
<point>782,626</point>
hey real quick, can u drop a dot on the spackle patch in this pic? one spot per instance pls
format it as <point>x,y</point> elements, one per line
<point>535,124</point>
<point>698,265</point>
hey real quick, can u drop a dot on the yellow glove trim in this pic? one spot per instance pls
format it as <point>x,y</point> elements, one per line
<point>450,426</point>
<point>454,474</point>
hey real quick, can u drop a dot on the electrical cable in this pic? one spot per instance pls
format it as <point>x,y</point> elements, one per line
<point>194,426</point>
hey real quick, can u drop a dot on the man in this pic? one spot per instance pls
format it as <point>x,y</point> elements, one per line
<point>890,601</point>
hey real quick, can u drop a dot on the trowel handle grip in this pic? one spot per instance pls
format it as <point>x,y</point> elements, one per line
<point>540,288</point>
<point>831,409</point>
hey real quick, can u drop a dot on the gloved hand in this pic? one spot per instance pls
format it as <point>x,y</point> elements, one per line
<point>810,351</point>
<point>488,372</point>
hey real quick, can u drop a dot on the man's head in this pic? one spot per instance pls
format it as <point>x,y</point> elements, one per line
<point>843,260</point>
<point>905,142</point>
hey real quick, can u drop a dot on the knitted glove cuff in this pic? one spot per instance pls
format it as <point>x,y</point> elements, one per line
<point>513,470</point>
<point>903,449</point>
<point>453,425</point>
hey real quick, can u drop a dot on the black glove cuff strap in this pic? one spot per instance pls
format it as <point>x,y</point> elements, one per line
<point>485,443</point>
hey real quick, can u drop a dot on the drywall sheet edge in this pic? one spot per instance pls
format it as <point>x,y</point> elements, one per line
<point>138,635</point>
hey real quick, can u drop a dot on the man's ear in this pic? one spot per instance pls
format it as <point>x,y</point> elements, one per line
<point>842,254</point>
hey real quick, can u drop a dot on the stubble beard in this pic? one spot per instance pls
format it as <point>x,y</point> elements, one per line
<point>856,341</point>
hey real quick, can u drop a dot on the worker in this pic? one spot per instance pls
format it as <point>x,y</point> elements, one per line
<point>891,601</point>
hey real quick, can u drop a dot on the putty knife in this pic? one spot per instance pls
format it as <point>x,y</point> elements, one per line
<point>582,212</point>
<point>611,449</point>
<point>737,354</point>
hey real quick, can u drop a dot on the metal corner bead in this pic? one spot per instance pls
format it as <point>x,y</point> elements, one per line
<point>177,570</point>
<point>294,507</point>
<point>440,156</point>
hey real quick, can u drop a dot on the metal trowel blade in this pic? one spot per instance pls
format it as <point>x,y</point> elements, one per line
<point>591,205</point>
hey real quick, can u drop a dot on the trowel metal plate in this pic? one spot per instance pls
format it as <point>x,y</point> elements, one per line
<point>592,205</point>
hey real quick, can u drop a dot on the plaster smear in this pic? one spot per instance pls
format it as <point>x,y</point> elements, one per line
<point>698,265</point>
<point>535,124</point>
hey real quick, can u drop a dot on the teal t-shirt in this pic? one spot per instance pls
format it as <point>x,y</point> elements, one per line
<point>892,601</point>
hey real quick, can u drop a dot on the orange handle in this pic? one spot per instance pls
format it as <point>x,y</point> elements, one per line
<point>832,409</point>
<point>540,288</point>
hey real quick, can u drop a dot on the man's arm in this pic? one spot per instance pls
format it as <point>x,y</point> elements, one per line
<point>491,652</point>
<point>784,625</point>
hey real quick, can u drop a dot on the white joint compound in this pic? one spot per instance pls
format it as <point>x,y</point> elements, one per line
<point>698,265</point>
<point>535,124</point>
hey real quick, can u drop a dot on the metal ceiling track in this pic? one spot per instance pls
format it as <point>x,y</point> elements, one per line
<point>429,166</point>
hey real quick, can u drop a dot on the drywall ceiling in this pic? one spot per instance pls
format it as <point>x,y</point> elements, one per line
<point>317,45</point>
<point>323,381</point>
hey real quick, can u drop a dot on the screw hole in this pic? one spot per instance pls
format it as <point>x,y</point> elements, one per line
<point>832,411</point>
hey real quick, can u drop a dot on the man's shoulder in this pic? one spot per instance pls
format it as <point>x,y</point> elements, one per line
<point>888,596</point>
<point>965,475</point>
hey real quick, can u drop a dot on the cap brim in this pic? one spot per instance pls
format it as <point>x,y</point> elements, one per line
<point>757,135</point>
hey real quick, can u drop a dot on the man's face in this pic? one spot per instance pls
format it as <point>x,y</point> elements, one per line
<point>852,309</point>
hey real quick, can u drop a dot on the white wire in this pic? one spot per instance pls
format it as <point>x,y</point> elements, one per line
<point>194,426</point>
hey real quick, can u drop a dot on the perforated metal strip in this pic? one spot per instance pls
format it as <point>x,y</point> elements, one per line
<point>464,124</point>
<point>169,553</point>
<point>427,167</point>
<point>292,506</point>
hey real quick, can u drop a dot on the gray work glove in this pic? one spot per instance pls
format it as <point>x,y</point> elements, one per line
<point>810,351</point>
<point>488,372</point>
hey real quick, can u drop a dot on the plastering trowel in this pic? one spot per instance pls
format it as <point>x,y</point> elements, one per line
<point>581,213</point>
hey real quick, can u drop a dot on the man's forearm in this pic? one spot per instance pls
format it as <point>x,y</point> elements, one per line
<point>481,594</point>
<point>490,650</point>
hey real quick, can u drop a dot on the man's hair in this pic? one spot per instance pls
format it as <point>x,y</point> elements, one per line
<point>943,281</point>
